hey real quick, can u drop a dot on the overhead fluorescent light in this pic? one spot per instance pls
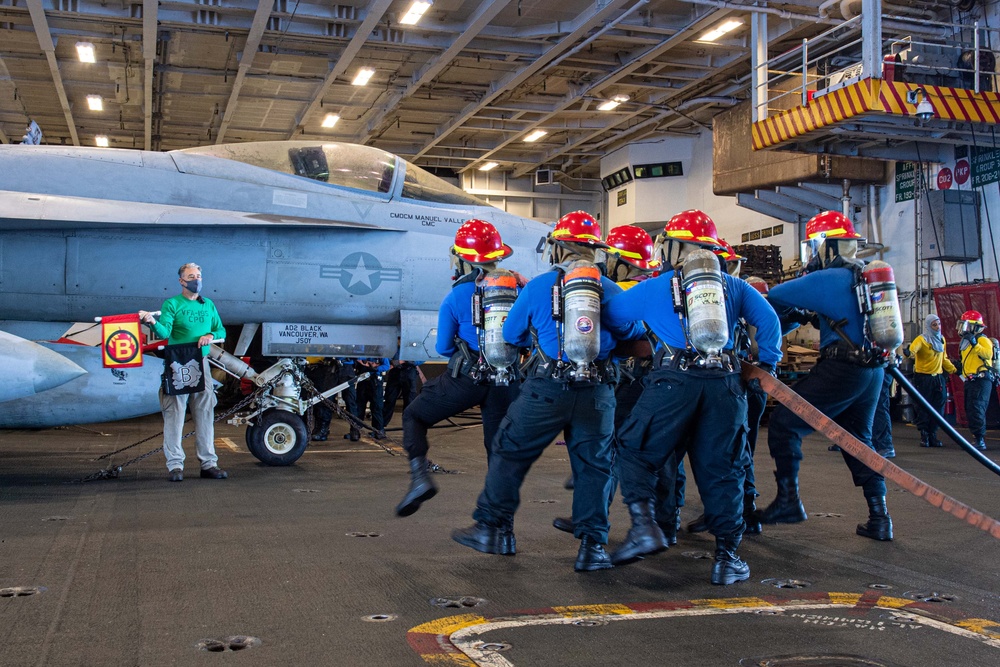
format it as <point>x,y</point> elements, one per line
<point>362,77</point>
<point>95,102</point>
<point>330,120</point>
<point>101,141</point>
<point>720,30</point>
<point>489,165</point>
<point>608,105</point>
<point>535,136</point>
<point>85,50</point>
<point>415,11</point>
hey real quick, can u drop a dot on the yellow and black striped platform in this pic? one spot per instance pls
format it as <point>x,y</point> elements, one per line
<point>873,98</point>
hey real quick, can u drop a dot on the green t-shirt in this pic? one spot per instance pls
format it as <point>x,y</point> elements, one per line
<point>184,320</point>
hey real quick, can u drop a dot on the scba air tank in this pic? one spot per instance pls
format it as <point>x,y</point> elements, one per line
<point>582,316</point>
<point>885,321</point>
<point>705,301</point>
<point>499,291</point>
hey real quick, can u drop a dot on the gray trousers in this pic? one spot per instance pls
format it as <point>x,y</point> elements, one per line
<point>202,405</point>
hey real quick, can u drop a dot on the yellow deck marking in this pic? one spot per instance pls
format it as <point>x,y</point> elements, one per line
<point>593,610</point>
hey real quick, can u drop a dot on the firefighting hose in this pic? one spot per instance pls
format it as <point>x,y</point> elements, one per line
<point>942,422</point>
<point>823,424</point>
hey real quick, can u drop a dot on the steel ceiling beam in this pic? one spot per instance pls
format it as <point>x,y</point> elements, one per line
<point>41,25</point>
<point>149,38</point>
<point>375,12</point>
<point>485,13</point>
<point>598,13</point>
<point>250,47</point>
<point>644,58</point>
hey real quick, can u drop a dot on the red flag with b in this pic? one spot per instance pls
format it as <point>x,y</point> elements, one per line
<point>121,341</point>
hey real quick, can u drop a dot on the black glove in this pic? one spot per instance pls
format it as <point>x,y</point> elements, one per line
<point>764,366</point>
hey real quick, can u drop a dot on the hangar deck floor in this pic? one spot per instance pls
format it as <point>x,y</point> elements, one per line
<point>140,571</point>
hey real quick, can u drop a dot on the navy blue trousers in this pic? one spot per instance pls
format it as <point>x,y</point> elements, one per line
<point>585,415</point>
<point>977,399</point>
<point>847,394</point>
<point>882,421</point>
<point>701,410</point>
<point>932,388</point>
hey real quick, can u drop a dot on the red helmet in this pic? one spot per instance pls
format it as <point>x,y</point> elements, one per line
<point>830,225</point>
<point>973,316</point>
<point>727,252</point>
<point>695,227</point>
<point>477,242</point>
<point>758,284</point>
<point>578,227</point>
<point>633,245</point>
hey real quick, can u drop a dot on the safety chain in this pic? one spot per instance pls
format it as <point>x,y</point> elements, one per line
<point>355,422</point>
<point>115,471</point>
<point>360,425</point>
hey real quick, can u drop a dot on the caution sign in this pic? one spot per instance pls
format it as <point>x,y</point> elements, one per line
<point>120,336</point>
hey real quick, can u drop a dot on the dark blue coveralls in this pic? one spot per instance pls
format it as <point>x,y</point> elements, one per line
<point>882,420</point>
<point>370,390</point>
<point>329,375</point>
<point>842,389</point>
<point>704,409</point>
<point>455,391</point>
<point>583,411</point>
<point>400,381</point>
<point>977,389</point>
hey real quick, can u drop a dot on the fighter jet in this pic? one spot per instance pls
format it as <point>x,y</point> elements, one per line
<point>327,248</point>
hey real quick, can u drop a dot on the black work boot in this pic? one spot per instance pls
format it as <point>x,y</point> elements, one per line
<point>786,507</point>
<point>591,556</point>
<point>728,567</point>
<point>322,434</point>
<point>699,525</point>
<point>935,442</point>
<point>925,439</point>
<point>563,523</point>
<point>879,526</point>
<point>488,539</point>
<point>981,443</point>
<point>644,537</point>
<point>421,487</point>
<point>670,525</point>
<point>750,517</point>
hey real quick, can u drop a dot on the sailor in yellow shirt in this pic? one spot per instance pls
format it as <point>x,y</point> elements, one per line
<point>976,352</point>
<point>930,362</point>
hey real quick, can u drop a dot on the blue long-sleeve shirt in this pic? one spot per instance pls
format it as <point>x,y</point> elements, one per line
<point>828,292</point>
<point>651,302</point>
<point>455,319</point>
<point>533,309</point>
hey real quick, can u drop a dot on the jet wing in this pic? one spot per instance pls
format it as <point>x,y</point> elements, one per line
<point>19,210</point>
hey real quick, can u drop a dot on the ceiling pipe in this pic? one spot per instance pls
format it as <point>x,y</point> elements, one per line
<point>714,99</point>
<point>914,27</point>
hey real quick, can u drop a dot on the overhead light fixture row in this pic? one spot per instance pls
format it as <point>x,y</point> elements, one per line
<point>720,30</point>
<point>101,141</point>
<point>330,120</point>
<point>535,136</point>
<point>86,53</point>
<point>489,165</point>
<point>363,76</point>
<point>416,10</point>
<point>95,102</point>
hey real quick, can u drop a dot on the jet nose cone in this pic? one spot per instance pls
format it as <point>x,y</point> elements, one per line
<point>29,369</point>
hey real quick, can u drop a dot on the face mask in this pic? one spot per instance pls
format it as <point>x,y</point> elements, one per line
<point>193,286</point>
